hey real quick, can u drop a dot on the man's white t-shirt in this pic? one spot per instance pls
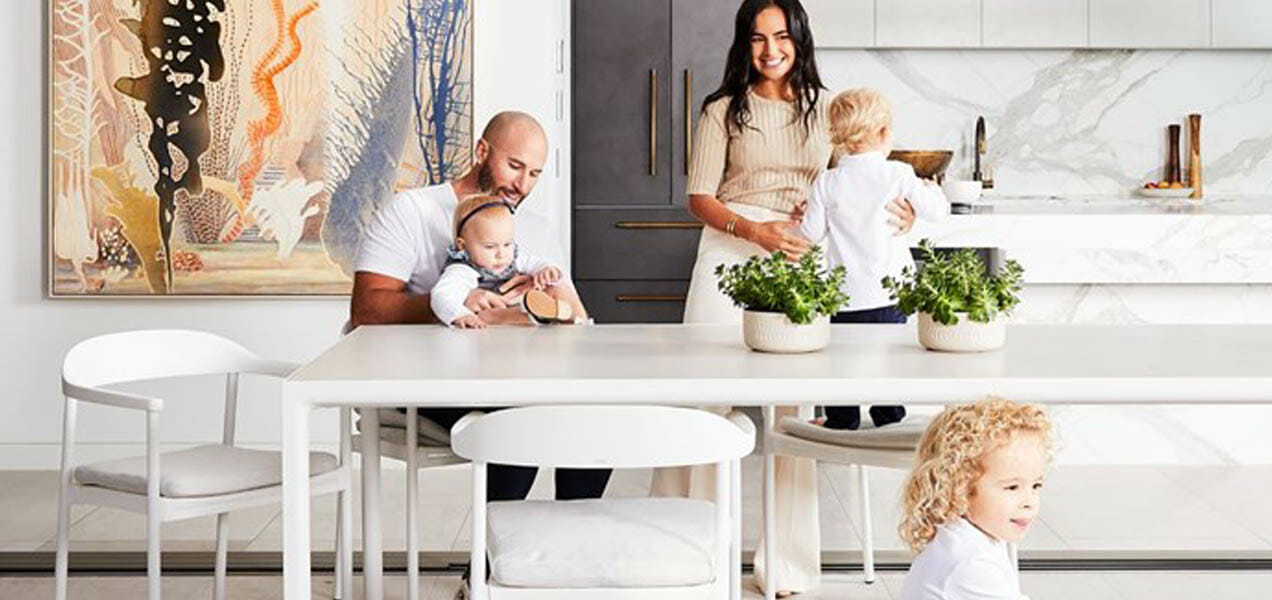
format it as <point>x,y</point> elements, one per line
<point>408,237</point>
<point>848,208</point>
<point>962,563</point>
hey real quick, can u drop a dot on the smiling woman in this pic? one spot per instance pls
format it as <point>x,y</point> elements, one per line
<point>761,141</point>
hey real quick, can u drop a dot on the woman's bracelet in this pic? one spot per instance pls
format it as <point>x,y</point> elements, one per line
<point>731,225</point>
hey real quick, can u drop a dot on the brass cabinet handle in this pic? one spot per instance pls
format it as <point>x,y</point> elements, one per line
<point>688,119</point>
<point>658,225</point>
<point>653,122</point>
<point>650,298</point>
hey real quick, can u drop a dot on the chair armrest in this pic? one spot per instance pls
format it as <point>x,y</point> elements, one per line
<point>742,421</point>
<point>275,368</point>
<point>111,397</point>
<point>464,421</point>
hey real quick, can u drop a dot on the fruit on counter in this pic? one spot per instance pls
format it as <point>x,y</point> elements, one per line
<point>1177,185</point>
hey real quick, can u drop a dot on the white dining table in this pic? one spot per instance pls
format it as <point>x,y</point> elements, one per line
<point>706,365</point>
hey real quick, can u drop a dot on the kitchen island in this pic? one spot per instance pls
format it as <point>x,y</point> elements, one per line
<point>1102,259</point>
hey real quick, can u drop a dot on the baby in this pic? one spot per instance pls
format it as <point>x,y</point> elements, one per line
<point>974,490</point>
<point>848,206</point>
<point>485,255</point>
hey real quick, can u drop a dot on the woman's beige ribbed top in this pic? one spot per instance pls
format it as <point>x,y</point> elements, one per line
<point>771,163</point>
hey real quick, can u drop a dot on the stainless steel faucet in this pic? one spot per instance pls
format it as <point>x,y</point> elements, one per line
<point>987,182</point>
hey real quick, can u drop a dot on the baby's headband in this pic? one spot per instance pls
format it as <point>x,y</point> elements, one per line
<point>480,207</point>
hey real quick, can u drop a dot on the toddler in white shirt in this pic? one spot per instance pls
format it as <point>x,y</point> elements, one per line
<point>847,209</point>
<point>975,489</point>
<point>485,255</point>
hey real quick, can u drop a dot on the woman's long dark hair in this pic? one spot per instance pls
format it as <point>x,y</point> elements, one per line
<point>739,74</point>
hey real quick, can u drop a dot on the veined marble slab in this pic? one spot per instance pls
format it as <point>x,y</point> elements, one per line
<point>1080,240</point>
<point>1075,122</point>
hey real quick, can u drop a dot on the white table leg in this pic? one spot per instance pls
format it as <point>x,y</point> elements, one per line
<point>295,496</point>
<point>735,508</point>
<point>770,506</point>
<point>372,540</point>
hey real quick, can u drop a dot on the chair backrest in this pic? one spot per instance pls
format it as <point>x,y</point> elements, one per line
<point>155,353</point>
<point>602,436</point>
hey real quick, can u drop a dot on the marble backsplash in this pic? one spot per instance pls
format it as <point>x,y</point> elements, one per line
<point>1081,122</point>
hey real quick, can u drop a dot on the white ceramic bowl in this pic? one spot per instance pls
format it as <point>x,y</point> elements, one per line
<point>1165,192</point>
<point>774,332</point>
<point>965,336</point>
<point>962,191</point>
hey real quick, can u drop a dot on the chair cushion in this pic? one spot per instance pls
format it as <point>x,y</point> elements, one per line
<point>391,419</point>
<point>897,436</point>
<point>200,471</point>
<point>619,542</point>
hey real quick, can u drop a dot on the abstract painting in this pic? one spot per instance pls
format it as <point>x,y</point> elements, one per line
<point>240,147</point>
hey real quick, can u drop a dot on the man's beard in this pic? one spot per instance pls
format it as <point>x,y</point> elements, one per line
<point>486,183</point>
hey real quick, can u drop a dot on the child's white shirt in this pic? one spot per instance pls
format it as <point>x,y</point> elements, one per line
<point>459,279</point>
<point>847,208</point>
<point>962,563</point>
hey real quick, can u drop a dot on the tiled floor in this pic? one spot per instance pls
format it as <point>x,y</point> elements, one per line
<point>1092,508</point>
<point>1114,585</point>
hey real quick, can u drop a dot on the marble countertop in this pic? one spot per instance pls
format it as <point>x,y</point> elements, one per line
<point>1106,239</point>
<point>1117,205</point>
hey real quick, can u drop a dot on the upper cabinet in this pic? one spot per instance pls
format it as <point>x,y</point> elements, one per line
<point>927,23</point>
<point>1034,23</point>
<point>1150,23</point>
<point>1041,23</point>
<point>842,23</point>
<point>1241,23</point>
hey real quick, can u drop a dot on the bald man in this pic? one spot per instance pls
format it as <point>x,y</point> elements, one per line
<point>404,251</point>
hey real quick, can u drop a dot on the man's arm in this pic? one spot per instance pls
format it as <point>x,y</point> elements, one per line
<point>379,299</point>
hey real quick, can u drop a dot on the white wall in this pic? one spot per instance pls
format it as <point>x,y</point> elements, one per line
<point>515,67</point>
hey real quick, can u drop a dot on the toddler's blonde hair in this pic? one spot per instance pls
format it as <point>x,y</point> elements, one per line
<point>949,461</point>
<point>474,203</point>
<point>856,116</point>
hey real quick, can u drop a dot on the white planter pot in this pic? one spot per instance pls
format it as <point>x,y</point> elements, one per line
<point>774,332</point>
<point>965,336</point>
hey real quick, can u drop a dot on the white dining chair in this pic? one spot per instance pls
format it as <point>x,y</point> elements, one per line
<point>207,479</point>
<point>613,548</point>
<point>400,438</point>
<point>891,447</point>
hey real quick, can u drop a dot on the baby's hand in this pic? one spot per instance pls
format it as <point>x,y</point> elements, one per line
<point>546,276</point>
<point>469,322</point>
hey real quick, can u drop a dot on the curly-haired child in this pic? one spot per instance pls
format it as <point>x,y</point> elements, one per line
<point>975,489</point>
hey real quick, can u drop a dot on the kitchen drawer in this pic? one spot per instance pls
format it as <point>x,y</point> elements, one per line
<point>634,243</point>
<point>628,301</point>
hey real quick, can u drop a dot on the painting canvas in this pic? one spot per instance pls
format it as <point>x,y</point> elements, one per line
<point>240,147</point>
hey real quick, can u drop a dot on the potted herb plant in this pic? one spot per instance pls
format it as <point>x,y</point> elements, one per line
<point>962,308</point>
<point>787,305</point>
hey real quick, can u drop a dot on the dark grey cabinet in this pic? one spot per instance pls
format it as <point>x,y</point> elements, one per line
<point>641,69</point>
<point>622,53</point>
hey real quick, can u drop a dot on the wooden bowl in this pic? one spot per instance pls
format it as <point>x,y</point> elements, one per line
<point>928,164</point>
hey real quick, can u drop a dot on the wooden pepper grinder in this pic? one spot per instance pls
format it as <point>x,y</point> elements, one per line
<point>1194,155</point>
<point>1172,156</point>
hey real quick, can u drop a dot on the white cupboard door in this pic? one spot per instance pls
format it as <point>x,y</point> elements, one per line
<point>1242,23</point>
<point>1150,23</point>
<point>928,23</point>
<point>841,23</point>
<point>1034,23</point>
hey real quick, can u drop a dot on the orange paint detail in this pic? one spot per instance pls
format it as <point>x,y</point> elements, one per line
<point>258,130</point>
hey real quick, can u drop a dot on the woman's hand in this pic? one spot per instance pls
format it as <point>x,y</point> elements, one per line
<point>902,215</point>
<point>773,236</point>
